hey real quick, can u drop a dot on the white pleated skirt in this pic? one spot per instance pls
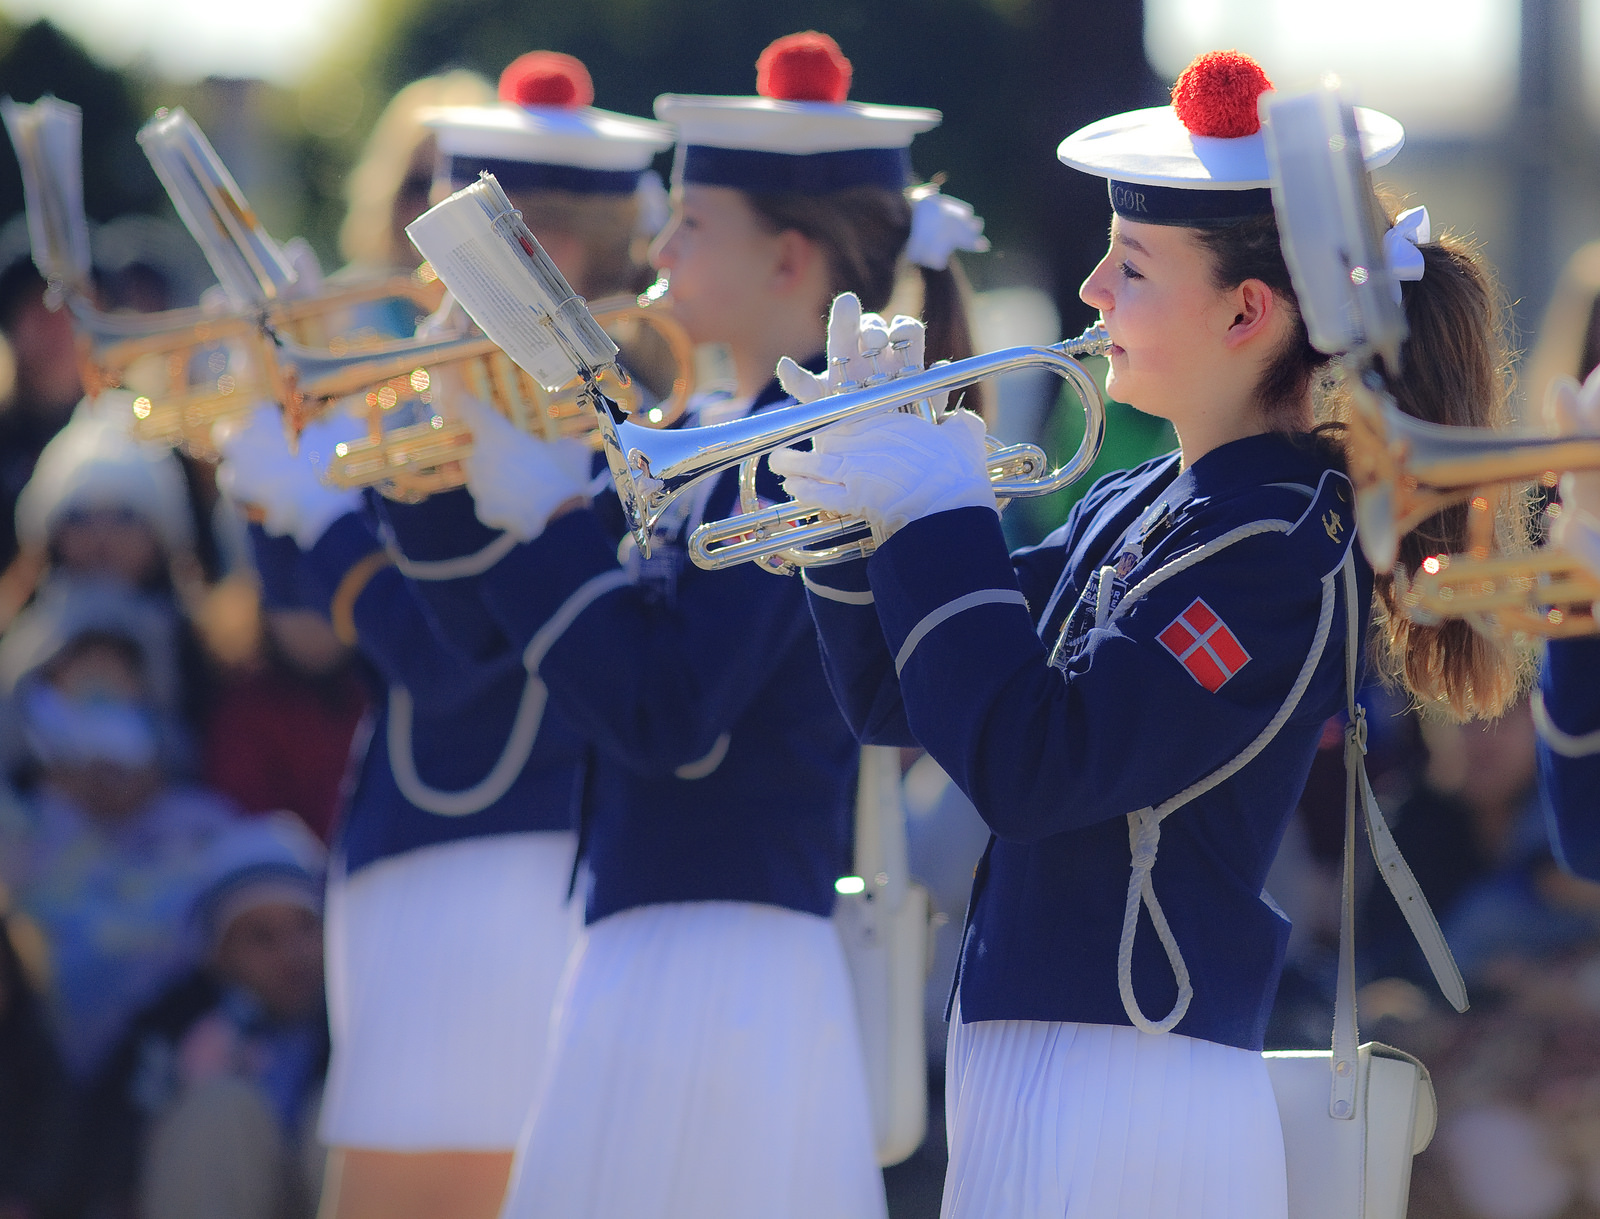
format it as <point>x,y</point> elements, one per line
<point>443,965</point>
<point>1093,1121</point>
<point>705,1064</point>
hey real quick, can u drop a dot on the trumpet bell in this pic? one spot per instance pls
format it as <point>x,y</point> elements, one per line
<point>1406,470</point>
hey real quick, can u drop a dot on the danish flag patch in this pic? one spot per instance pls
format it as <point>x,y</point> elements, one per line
<point>1203,644</point>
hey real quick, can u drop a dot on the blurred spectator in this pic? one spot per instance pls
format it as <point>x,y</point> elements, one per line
<point>207,1106</point>
<point>108,510</point>
<point>44,373</point>
<point>148,265</point>
<point>107,854</point>
<point>33,1090</point>
<point>280,735</point>
<point>389,186</point>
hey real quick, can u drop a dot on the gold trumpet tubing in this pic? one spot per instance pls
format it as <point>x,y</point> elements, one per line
<point>296,318</point>
<point>413,462</point>
<point>1406,470</point>
<point>186,418</point>
<point>108,344</point>
<point>1545,593</point>
<point>650,468</point>
<point>801,530</point>
<point>416,461</point>
<point>313,380</point>
<point>401,453</point>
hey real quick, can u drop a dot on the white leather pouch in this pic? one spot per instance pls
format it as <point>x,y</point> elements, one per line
<point>1341,1169</point>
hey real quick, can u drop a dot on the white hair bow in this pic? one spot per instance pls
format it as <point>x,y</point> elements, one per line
<point>1400,246</point>
<point>941,225</point>
<point>655,206</point>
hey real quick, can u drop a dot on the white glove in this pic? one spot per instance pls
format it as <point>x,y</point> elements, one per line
<point>892,469</point>
<point>518,481</point>
<point>862,349</point>
<point>1571,409</point>
<point>307,268</point>
<point>258,470</point>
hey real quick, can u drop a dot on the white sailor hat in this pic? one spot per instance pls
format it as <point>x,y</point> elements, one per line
<point>799,134</point>
<point>544,134</point>
<point>1201,161</point>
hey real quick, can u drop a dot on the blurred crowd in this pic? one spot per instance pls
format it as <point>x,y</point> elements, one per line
<point>174,751</point>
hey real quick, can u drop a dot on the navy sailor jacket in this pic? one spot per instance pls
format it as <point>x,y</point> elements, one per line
<point>1178,643</point>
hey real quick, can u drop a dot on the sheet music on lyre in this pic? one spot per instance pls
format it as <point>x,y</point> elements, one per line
<point>48,137</point>
<point>251,267</point>
<point>479,247</point>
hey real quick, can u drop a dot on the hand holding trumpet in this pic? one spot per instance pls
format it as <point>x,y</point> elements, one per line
<point>890,468</point>
<point>1571,409</point>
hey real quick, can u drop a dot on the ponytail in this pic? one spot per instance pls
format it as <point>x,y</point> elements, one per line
<point>1454,370</point>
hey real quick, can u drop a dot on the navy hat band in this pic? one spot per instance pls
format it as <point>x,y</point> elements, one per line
<point>816,173</point>
<point>1189,208</point>
<point>535,175</point>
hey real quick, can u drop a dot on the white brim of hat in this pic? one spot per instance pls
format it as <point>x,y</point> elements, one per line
<point>1153,147</point>
<point>764,124</point>
<point>581,136</point>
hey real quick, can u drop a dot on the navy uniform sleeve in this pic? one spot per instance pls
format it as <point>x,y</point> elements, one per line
<point>652,682</point>
<point>1130,721</point>
<point>860,667</point>
<point>1567,713</point>
<point>443,547</point>
<point>392,629</point>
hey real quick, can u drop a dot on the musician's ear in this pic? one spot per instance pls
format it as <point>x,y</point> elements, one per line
<point>798,261</point>
<point>1257,310</point>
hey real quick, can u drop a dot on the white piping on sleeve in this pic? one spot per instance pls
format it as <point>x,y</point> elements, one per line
<point>459,568</point>
<point>984,596</point>
<point>843,596</point>
<point>588,592</point>
<point>701,767</point>
<point>494,785</point>
<point>524,728</point>
<point>1563,743</point>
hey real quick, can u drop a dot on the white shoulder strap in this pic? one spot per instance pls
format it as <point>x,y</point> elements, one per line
<point>1144,834</point>
<point>1391,866</point>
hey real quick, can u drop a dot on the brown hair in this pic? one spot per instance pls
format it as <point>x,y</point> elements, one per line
<point>1454,370</point>
<point>863,231</point>
<point>607,227</point>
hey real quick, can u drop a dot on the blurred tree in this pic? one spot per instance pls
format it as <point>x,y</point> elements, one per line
<point>40,59</point>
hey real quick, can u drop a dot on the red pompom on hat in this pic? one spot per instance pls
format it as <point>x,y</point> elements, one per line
<point>546,78</point>
<point>1216,95</point>
<point>805,67</point>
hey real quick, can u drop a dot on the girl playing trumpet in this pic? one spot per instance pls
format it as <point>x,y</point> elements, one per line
<point>1144,690</point>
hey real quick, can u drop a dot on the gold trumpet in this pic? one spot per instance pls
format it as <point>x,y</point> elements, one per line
<point>651,468</point>
<point>411,460</point>
<point>190,369</point>
<point>1406,470</point>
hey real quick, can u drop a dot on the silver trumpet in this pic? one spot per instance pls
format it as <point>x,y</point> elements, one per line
<point>651,468</point>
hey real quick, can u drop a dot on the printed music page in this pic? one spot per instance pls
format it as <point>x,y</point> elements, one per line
<point>478,245</point>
